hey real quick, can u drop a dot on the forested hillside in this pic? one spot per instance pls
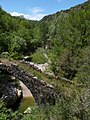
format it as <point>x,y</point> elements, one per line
<point>64,37</point>
<point>13,29</point>
<point>65,34</point>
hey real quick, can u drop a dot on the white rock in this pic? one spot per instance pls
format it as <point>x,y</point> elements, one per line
<point>28,110</point>
<point>35,77</point>
<point>19,92</point>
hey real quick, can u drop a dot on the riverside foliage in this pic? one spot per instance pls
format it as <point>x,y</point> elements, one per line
<point>65,38</point>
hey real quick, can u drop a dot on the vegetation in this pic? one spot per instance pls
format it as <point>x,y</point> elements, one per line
<point>65,38</point>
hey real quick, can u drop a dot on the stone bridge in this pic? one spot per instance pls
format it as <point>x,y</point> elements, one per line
<point>42,92</point>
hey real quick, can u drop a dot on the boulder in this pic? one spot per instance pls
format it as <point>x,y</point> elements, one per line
<point>9,95</point>
<point>8,91</point>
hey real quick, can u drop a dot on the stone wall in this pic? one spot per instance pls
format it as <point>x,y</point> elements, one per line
<point>50,75</point>
<point>43,92</point>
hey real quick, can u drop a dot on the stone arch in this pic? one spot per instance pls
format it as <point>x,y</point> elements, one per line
<point>41,91</point>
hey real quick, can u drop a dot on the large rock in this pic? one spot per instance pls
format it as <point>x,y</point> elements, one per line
<point>9,94</point>
<point>8,91</point>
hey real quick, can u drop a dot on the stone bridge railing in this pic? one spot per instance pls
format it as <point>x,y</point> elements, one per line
<point>43,92</point>
<point>48,75</point>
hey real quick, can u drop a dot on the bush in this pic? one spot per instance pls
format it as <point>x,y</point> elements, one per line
<point>16,55</point>
<point>4,55</point>
<point>8,114</point>
<point>39,57</point>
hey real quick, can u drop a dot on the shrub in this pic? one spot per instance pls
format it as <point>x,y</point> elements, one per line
<point>39,57</point>
<point>4,55</point>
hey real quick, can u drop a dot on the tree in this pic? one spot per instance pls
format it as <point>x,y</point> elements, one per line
<point>17,45</point>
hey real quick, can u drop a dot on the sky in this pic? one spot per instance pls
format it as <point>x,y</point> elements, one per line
<point>36,9</point>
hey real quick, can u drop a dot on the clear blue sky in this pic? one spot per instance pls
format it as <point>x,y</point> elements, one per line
<point>36,9</point>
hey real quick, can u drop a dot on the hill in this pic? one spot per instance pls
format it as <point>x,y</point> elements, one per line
<point>66,34</point>
<point>62,40</point>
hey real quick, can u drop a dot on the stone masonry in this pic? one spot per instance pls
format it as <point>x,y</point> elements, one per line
<point>43,92</point>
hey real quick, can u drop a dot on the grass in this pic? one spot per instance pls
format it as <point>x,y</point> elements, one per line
<point>32,71</point>
<point>61,86</point>
<point>39,75</point>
